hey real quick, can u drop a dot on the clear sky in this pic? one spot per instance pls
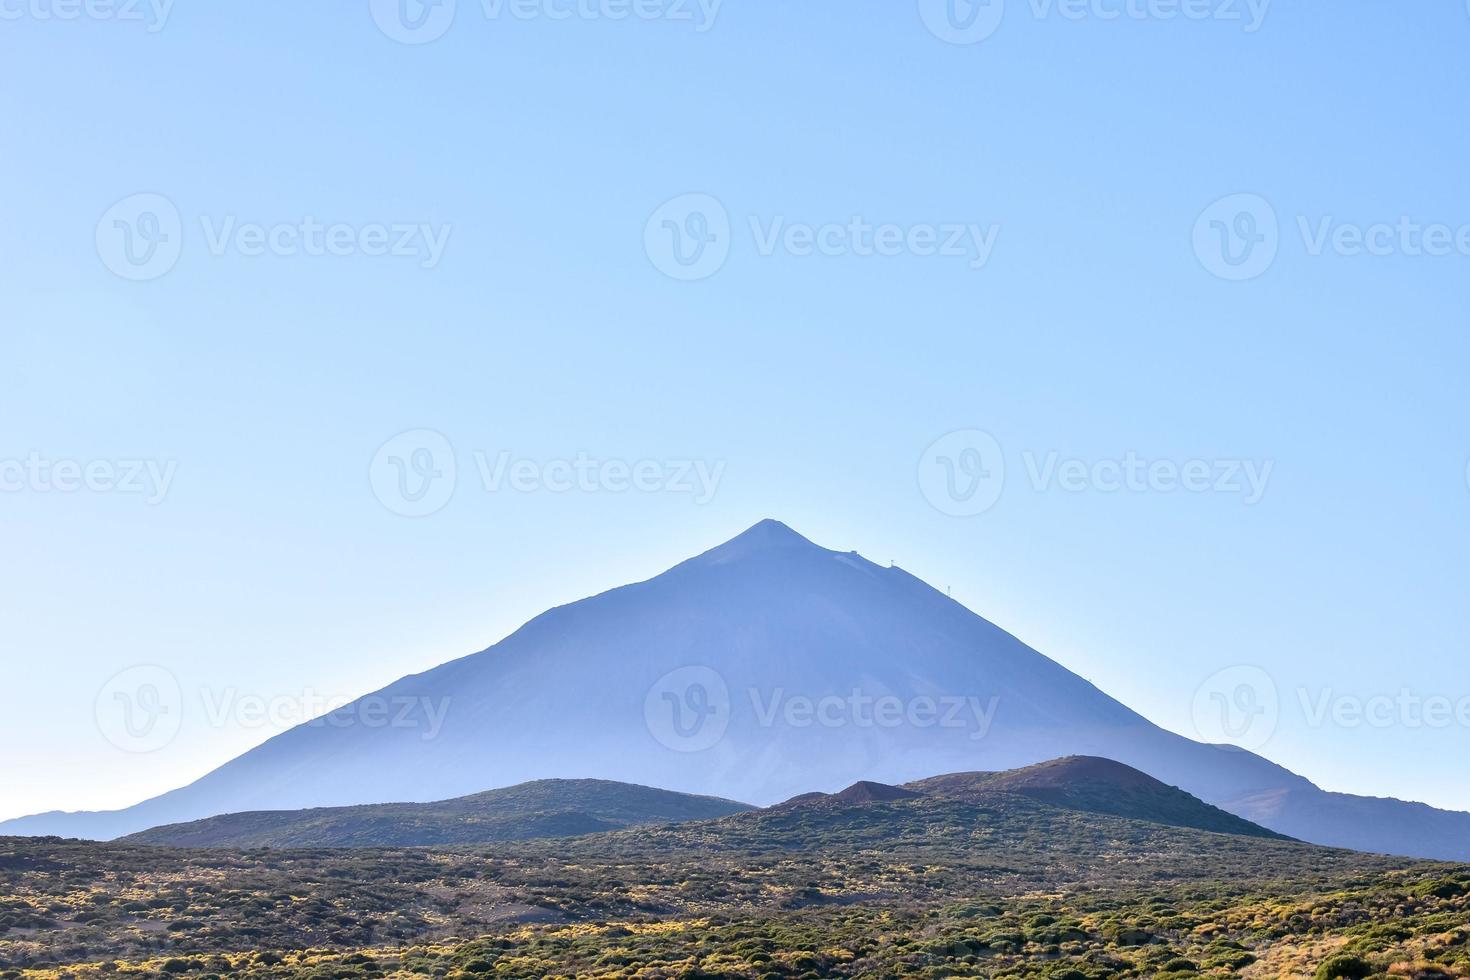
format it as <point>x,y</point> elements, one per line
<point>216,370</point>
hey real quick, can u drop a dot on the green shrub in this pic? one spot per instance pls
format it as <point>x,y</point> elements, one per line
<point>1444,888</point>
<point>1344,967</point>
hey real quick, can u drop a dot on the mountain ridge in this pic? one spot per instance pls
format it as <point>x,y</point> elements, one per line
<point>543,808</point>
<point>773,628</point>
<point>574,808</point>
<point>1096,785</point>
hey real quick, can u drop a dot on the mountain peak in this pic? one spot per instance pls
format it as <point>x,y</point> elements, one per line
<point>1074,769</point>
<point>767,535</point>
<point>863,791</point>
<point>867,791</point>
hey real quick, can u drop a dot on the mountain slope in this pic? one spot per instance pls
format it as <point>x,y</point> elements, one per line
<point>757,670</point>
<point>1094,786</point>
<point>545,808</point>
<point>1003,884</point>
<point>568,808</point>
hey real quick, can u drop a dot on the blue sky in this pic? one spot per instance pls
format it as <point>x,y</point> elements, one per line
<point>237,390</point>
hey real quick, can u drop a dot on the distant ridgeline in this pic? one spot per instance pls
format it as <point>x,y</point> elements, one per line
<point>687,681</point>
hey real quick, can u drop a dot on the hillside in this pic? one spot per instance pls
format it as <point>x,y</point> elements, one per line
<point>1094,785</point>
<point>860,886</point>
<point>545,808</point>
<point>568,808</point>
<point>706,678</point>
